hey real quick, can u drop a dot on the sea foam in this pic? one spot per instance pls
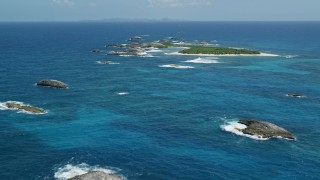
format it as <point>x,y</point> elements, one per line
<point>290,56</point>
<point>70,171</point>
<point>235,128</point>
<point>203,61</point>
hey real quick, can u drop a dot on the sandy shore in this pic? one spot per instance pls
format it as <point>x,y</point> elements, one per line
<point>261,54</point>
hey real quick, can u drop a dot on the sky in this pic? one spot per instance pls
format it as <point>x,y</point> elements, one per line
<point>195,10</point>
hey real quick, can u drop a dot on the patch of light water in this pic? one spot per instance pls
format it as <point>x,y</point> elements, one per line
<point>126,55</point>
<point>291,56</point>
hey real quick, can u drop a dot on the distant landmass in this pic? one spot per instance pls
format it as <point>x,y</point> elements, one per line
<point>134,20</point>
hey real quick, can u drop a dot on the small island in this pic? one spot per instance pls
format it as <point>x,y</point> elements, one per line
<point>191,48</point>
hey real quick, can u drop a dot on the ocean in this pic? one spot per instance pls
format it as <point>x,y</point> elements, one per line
<point>141,119</point>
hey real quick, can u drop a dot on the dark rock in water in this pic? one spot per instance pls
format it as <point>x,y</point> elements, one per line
<point>95,50</point>
<point>106,62</point>
<point>96,175</point>
<point>52,83</point>
<point>295,95</point>
<point>127,52</point>
<point>264,129</point>
<point>135,39</point>
<point>23,107</point>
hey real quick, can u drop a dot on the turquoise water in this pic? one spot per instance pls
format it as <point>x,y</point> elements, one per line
<point>168,125</point>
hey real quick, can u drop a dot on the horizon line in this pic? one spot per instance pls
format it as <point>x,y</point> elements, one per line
<point>149,20</point>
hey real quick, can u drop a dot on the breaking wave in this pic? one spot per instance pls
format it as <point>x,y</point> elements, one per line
<point>176,66</point>
<point>203,61</point>
<point>235,128</point>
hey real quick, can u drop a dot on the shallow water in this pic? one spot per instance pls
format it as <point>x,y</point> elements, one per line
<point>167,126</point>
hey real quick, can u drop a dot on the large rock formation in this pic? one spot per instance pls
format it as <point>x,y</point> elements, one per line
<point>96,175</point>
<point>264,129</point>
<point>52,83</point>
<point>22,107</point>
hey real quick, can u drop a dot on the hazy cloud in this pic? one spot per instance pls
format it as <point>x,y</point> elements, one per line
<point>92,4</point>
<point>84,3</point>
<point>177,3</point>
<point>64,2</point>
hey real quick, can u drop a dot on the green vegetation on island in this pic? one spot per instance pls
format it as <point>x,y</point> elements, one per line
<point>216,50</point>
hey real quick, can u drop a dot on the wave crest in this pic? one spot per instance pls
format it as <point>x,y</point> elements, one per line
<point>122,93</point>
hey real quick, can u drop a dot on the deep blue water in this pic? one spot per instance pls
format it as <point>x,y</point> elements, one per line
<point>168,126</point>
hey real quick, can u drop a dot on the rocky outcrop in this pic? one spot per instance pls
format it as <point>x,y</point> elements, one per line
<point>153,45</point>
<point>96,175</point>
<point>22,107</point>
<point>95,50</point>
<point>264,129</point>
<point>52,83</point>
